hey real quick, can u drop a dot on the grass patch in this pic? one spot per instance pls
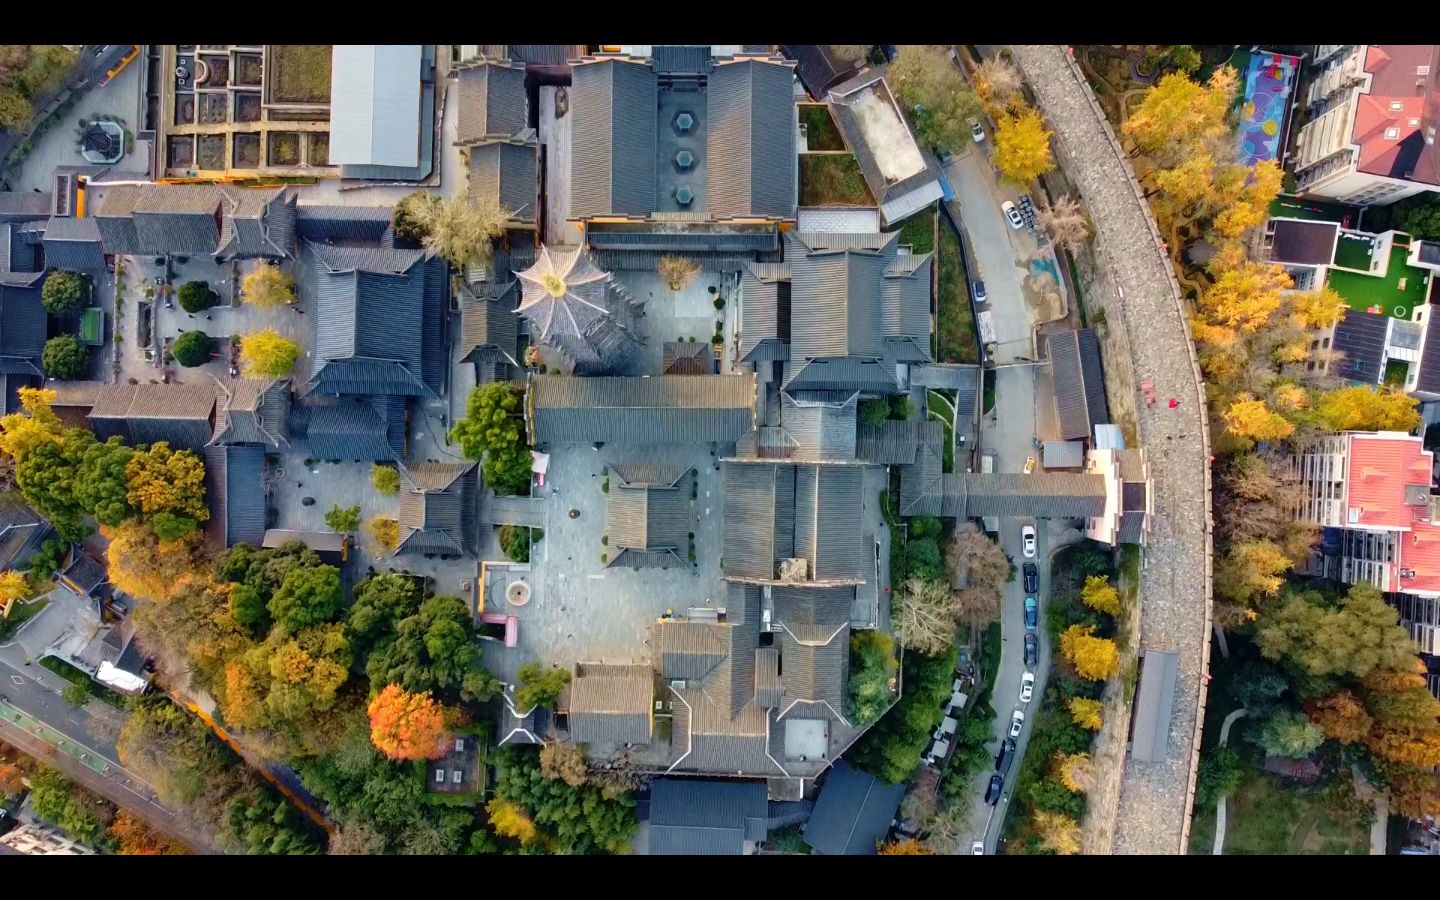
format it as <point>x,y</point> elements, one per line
<point>1266,815</point>
<point>919,231</point>
<point>820,130</point>
<point>957,339</point>
<point>1396,371</point>
<point>1354,252</point>
<point>1288,207</point>
<point>832,180</point>
<point>941,410</point>
<point>989,390</point>
<point>20,613</point>
<point>300,73</point>
<point>1383,295</point>
<point>76,676</point>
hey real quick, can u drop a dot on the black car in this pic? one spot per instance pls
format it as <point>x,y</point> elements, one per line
<point>1032,579</point>
<point>1032,649</point>
<point>1005,757</point>
<point>992,793</point>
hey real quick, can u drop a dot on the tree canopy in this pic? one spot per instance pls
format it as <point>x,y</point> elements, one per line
<point>196,296</point>
<point>65,292</point>
<point>1094,658</point>
<point>1356,639</point>
<point>65,358</point>
<point>168,488</point>
<point>924,614</point>
<point>267,285</point>
<point>192,348</point>
<point>268,353</point>
<point>492,431</point>
<point>579,820</point>
<point>434,649</point>
<point>940,101</point>
<point>538,685</point>
<point>406,725</point>
<point>1022,147</point>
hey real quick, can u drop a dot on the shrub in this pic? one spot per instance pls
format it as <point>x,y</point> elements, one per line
<point>901,408</point>
<point>678,271</point>
<point>874,412</point>
<point>343,520</point>
<point>515,543</point>
<point>192,349</point>
<point>65,357</point>
<point>385,479</point>
<point>65,292</point>
<point>196,296</point>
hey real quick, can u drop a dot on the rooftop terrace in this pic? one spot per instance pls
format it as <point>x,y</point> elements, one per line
<point>1396,293</point>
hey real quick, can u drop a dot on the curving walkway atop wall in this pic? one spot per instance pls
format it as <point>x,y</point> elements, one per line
<point>1136,278</point>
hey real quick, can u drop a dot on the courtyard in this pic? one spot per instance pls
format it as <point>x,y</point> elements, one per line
<point>1396,293</point>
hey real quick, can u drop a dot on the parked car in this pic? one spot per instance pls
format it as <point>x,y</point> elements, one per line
<point>1032,578</point>
<point>992,793</point>
<point>978,289</point>
<point>1027,541</point>
<point>1005,757</point>
<point>1017,721</point>
<point>1029,465</point>
<point>1032,648</point>
<point>1012,215</point>
<point>977,131</point>
<point>1032,613</point>
<point>977,848</point>
<point>1027,687</point>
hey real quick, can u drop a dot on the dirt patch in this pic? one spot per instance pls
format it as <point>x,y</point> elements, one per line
<point>1042,295</point>
<point>184,109</point>
<point>284,148</point>
<point>246,151</point>
<point>300,73</point>
<point>319,149</point>
<point>180,150</point>
<point>210,151</point>
<point>249,69</point>
<point>832,179</point>
<point>214,107</point>
<point>820,130</point>
<point>217,72</point>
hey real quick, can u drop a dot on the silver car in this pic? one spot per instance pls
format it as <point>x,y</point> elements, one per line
<point>1017,721</point>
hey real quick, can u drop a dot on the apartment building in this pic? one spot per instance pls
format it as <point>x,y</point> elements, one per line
<point>1369,116</point>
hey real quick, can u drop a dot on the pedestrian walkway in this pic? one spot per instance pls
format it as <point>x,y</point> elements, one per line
<point>1220,806</point>
<point>43,732</point>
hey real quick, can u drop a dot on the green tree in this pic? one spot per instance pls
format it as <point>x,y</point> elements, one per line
<point>515,542</point>
<point>1258,685</point>
<point>381,601</point>
<point>538,685</point>
<point>307,597</point>
<point>196,296</point>
<point>1221,771</point>
<point>901,408</point>
<point>892,748</point>
<point>65,358</point>
<point>75,694</point>
<point>492,430</point>
<point>192,348</point>
<point>168,488</point>
<point>385,479</point>
<point>432,650</point>
<point>939,99</point>
<point>580,820</point>
<point>65,292</point>
<point>874,412</point>
<point>872,668</point>
<point>412,216</point>
<point>268,353</point>
<point>923,560</point>
<point>65,804</point>
<point>344,520</point>
<point>101,485</point>
<point>15,110</point>
<point>1288,733</point>
<point>1418,216</point>
<point>1183,57</point>
<point>1359,638</point>
<point>48,477</point>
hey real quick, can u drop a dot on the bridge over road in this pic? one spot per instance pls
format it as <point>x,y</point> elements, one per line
<point>1137,287</point>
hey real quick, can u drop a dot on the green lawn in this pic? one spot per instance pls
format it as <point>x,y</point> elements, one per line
<point>820,130</point>
<point>943,411</point>
<point>832,179</point>
<point>1396,371</point>
<point>1383,294</point>
<point>20,613</point>
<point>919,231</point>
<point>1288,207</point>
<point>1354,252</point>
<point>1268,816</point>
<point>956,338</point>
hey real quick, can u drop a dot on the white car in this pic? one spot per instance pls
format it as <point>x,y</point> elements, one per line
<point>1013,215</point>
<point>977,848</point>
<point>1027,687</point>
<point>1017,720</point>
<point>977,131</point>
<point>1027,541</point>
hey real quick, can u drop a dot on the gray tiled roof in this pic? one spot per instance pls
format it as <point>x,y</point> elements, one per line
<point>258,223</point>
<point>507,174</point>
<point>491,102</point>
<point>611,704</point>
<point>234,477</point>
<point>579,312</point>
<point>684,409</point>
<point>23,326</point>
<point>179,414</point>
<point>853,813</point>
<point>342,223</point>
<point>819,425</point>
<point>178,218</point>
<point>691,817</point>
<point>1154,706</point>
<point>767,677</point>
<point>438,508</point>
<point>17,252</point>
<point>1055,495</point>
<point>813,674</point>
<point>1079,382</point>
<point>846,373</point>
<point>377,321</point>
<point>764,303</point>
<point>1361,337</point>
<point>489,331</point>
<point>759,518</point>
<point>750,140</point>
<point>689,651</point>
<point>827,506</point>
<point>114,214</point>
<point>228,222</point>
<point>612,163</point>
<point>1307,243</point>
<point>253,410</point>
<point>836,305</point>
<point>343,429</point>
<point>651,517</point>
<point>687,358</point>
<point>73,244</point>
<point>907,307</point>
<point>21,205</point>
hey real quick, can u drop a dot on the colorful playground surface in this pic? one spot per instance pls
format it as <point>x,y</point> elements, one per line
<point>1396,293</point>
<point>1288,206</point>
<point>1269,79</point>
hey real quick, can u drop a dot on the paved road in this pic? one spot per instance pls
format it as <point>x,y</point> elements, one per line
<point>1137,288</point>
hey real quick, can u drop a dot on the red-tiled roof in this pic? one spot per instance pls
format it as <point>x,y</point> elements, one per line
<point>1380,470</point>
<point>1398,96</point>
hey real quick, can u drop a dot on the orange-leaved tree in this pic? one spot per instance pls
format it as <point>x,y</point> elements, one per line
<point>1086,712</point>
<point>909,847</point>
<point>1094,658</point>
<point>407,726</point>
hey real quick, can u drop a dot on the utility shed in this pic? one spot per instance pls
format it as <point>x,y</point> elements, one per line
<point>375,105</point>
<point>853,814</point>
<point>694,817</point>
<point>1154,703</point>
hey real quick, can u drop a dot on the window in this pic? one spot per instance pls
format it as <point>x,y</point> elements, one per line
<point>1422,70</point>
<point>1325,343</point>
<point>459,745</point>
<point>1396,104</point>
<point>1414,123</point>
<point>439,776</point>
<point>455,777</point>
<point>1392,133</point>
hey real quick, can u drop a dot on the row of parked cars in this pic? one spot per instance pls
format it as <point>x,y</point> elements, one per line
<point>1030,575</point>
